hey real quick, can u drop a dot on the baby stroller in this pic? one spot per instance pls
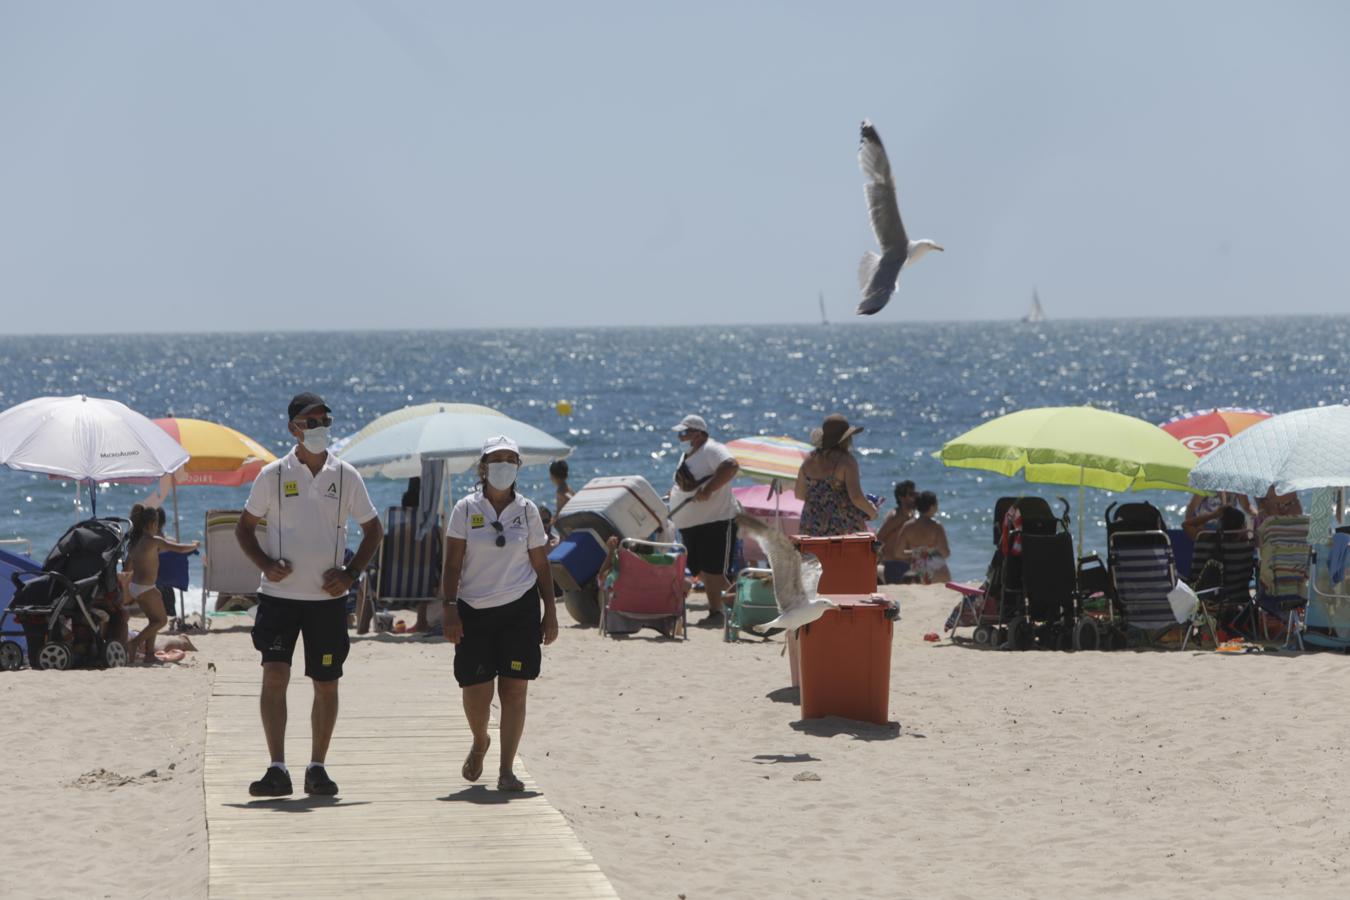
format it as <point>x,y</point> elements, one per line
<point>1029,594</point>
<point>63,612</point>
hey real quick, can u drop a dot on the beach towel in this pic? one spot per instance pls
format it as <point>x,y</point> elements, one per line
<point>429,496</point>
<point>1338,557</point>
<point>1284,556</point>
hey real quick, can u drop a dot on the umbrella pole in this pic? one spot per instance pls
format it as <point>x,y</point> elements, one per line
<point>1082,503</point>
<point>93,498</point>
<point>176,536</point>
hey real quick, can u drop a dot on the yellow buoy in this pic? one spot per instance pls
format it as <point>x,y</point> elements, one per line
<point>564,407</point>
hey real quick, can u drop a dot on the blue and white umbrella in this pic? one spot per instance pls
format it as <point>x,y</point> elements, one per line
<point>445,432</point>
<point>1296,451</point>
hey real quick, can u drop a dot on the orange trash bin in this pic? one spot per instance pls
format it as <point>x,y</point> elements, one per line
<point>845,660</point>
<point>848,562</point>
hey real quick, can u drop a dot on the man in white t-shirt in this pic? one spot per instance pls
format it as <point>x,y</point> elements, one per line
<point>708,521</point>
<point>306,497</point>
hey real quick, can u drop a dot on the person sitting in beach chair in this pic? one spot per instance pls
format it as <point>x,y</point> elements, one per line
<point>643,586</point>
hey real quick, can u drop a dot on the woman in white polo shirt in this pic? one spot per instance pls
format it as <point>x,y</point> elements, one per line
<point>495,579</point>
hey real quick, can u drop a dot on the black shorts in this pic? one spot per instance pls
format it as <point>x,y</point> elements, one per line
<point>323,623</point>
<point>710,546</point>
<point>500,641</point>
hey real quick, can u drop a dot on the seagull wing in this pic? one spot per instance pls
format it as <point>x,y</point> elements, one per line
<point>882,204</point>
<point>878,276</point>
<point>787,564</point>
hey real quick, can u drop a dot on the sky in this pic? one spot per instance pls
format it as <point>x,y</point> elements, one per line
<point>352,164</point>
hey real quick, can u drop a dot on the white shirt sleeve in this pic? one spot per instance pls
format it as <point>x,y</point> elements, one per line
<point>459,526</point>
<point>535,536</point>
<point>359,506</point>
<point>263,493</point>
<point>720,454</point>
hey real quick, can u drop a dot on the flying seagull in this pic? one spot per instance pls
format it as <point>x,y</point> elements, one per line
<point>879,275</point>
<point>794,577</point>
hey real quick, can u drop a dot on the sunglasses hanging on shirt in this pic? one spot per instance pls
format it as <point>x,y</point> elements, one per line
<point>501,537</point>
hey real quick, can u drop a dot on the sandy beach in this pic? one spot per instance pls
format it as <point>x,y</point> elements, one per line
<point>686,772</point>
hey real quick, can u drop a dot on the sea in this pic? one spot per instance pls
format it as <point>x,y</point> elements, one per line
<point>912,386</point>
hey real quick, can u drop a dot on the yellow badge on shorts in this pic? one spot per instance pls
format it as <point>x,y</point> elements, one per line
<point>328,659</point>
<point>477,520</point>
<point>516,665</point>
<point>292,488</point>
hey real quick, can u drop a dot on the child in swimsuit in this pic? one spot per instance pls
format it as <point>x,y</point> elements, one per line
<point>923,541</point>
<point>143,566</point>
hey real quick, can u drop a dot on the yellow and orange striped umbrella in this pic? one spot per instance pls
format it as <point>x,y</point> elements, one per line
<point>218,455</point>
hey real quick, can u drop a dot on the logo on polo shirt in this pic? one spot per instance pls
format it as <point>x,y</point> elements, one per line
<point>292,488</point>
<point>477,520</point>
<point>332,489</point>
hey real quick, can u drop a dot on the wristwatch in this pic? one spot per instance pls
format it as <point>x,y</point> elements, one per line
<point>353,574</point>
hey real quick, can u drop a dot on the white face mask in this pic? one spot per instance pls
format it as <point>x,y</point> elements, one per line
<point>501,475</point>
<point>315,440</point>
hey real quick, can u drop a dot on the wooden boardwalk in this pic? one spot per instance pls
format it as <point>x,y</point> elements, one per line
<point>405,823</point>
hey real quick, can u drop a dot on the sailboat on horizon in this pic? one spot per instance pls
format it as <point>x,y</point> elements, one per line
<point>1036,313</point>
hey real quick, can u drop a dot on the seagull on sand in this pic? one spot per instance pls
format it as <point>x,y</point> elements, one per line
<point>794,577</point>
<point>879,275</point>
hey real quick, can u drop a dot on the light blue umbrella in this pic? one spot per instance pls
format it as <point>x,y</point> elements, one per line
<point>1297,451</point>
<point>456,437</point>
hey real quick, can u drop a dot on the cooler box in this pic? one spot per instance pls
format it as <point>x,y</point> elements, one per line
<point>845,660</point>
<point>625,506</point>
<point>848,562</point>
<point>754,604</point>
<point>576,560</point>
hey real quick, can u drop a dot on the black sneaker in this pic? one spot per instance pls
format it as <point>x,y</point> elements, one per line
<point>274,783</point>
<point>318,782</point>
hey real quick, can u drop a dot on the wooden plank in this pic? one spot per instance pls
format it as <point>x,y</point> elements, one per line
<point>404,823</point>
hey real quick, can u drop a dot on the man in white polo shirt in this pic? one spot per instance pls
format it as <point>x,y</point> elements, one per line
<point>306,497</point>
<point>708,521</point>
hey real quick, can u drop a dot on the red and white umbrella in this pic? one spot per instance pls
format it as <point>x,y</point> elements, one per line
<point>1204,431</point>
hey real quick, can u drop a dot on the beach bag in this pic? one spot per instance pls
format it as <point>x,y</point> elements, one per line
<point>1184,602</point>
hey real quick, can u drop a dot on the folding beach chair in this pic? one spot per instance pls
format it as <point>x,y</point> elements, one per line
<point>645,588</point>
<point>1143,573</point>
<point>408,568</point>
<point>1222,566</point>
<point>1326,621</point>
<point>1282,582</point>
<point>226,571</point>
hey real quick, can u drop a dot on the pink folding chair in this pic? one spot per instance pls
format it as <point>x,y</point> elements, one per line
<point>645,588</point>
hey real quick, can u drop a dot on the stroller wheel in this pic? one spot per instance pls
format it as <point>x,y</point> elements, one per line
<point>1085,634</point>
<point>55,655</point>
<point>114,654</point>
<point>11,656</point>
<point>983,635</point>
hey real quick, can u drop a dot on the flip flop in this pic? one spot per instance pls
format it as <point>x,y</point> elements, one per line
<point>510,783</point>
<point>473,763</point>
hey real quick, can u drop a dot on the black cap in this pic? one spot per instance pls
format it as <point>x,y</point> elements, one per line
<point>304,401</point>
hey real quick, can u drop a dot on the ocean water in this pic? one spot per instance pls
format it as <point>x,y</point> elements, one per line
<point>912,387</point>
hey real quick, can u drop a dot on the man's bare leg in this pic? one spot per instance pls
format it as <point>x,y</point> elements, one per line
<point>714,586</point>
<point>272,705</point>
<point>323,718</point>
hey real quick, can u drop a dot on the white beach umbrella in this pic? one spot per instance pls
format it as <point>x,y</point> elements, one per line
<point>86,438</point>
<point>451,432</point>
<point>1296,451</point>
